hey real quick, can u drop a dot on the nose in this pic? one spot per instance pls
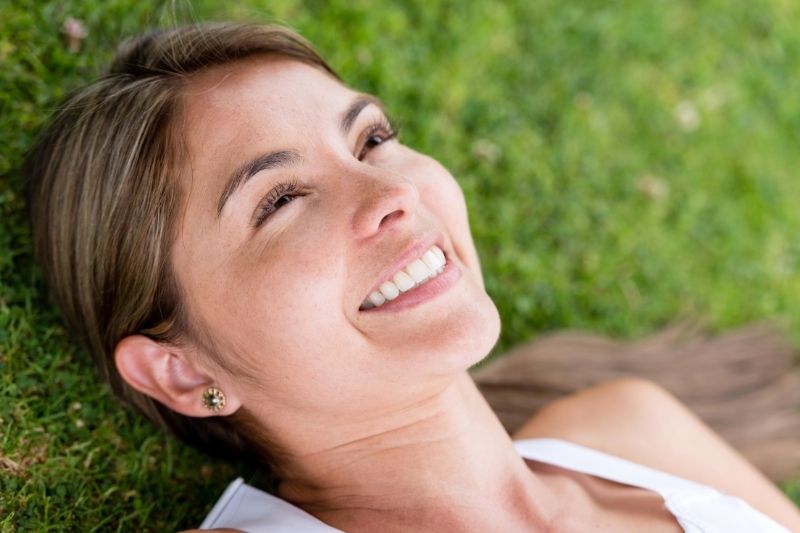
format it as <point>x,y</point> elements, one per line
<point>386,200</point>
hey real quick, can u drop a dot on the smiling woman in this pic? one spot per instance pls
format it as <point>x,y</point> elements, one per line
<point>258,263</point>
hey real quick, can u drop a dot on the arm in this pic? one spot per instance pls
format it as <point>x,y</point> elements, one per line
<point>642,422</point>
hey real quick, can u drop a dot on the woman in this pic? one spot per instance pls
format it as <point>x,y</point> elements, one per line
<point>258,264</point>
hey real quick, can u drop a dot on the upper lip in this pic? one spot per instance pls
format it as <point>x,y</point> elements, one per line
<point>414,251</point>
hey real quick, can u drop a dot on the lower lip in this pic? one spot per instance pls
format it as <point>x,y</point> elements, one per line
<point>430,289</point>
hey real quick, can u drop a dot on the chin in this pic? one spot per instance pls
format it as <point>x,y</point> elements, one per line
<point>490,332</point>
<point>470,338</point>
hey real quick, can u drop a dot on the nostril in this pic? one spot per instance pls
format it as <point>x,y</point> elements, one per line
<point>391,216</point>
<point>385,202</point>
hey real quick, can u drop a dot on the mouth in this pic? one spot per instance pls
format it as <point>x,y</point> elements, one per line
<point>414,274</point>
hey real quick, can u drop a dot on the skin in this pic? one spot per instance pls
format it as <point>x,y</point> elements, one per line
<point>642,422</point>
<point>378,424</point>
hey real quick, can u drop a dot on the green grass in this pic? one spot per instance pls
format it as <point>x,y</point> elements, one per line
<point>625,164</point>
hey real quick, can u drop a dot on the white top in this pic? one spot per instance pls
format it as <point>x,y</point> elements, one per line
<point>697,508</point>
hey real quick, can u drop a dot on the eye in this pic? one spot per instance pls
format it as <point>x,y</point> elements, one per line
<point>376,134</point>
<point>277,197</point>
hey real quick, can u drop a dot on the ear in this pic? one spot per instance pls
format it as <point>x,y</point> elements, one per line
<point>165,373</point>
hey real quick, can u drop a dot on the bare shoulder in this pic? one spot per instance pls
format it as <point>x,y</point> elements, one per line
<point>641,421</point>
<point>630,417</point>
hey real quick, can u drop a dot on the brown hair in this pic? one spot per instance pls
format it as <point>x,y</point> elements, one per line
<point>103,195</point>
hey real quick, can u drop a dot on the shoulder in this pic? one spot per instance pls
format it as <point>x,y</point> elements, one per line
<point>639,420</point>
<point>630,417</point>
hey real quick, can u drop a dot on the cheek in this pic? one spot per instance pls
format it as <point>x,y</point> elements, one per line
<point>280,312</point>
<point>443,196</point>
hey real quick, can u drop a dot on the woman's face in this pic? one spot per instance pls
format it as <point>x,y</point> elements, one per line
<point>278,276</point>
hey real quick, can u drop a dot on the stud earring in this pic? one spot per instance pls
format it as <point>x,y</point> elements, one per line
<point>213,399</point>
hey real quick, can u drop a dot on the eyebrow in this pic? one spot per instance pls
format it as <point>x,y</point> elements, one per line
<point>283,158</point>
<point>240,176</point>
<point>349,117</point>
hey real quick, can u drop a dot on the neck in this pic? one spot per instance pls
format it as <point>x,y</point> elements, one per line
<point>445,462</point>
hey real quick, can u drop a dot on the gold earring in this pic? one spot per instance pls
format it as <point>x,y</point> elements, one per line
<point>213,399</point>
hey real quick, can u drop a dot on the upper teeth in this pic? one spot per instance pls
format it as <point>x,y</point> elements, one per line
<point>417,272</point>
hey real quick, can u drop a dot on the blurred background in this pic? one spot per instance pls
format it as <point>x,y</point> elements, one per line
<point>626,164</point>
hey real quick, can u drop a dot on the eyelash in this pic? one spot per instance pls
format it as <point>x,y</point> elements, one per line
<point>375,134</point>
<point>269,204</point>
<point>381,129</point>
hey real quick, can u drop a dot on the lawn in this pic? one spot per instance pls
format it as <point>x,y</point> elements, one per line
<point>626,164</point>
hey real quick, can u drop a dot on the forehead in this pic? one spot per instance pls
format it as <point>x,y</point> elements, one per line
<point>228,104</point>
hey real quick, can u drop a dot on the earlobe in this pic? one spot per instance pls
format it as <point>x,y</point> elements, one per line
<point>165,373</point>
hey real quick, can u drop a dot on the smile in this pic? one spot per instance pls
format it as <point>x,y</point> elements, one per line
<point>416,273</point>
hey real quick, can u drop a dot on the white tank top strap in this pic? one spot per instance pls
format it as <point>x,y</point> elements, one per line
<point>249,509</point>
<point>698,508</point>
<point>579,458</point>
